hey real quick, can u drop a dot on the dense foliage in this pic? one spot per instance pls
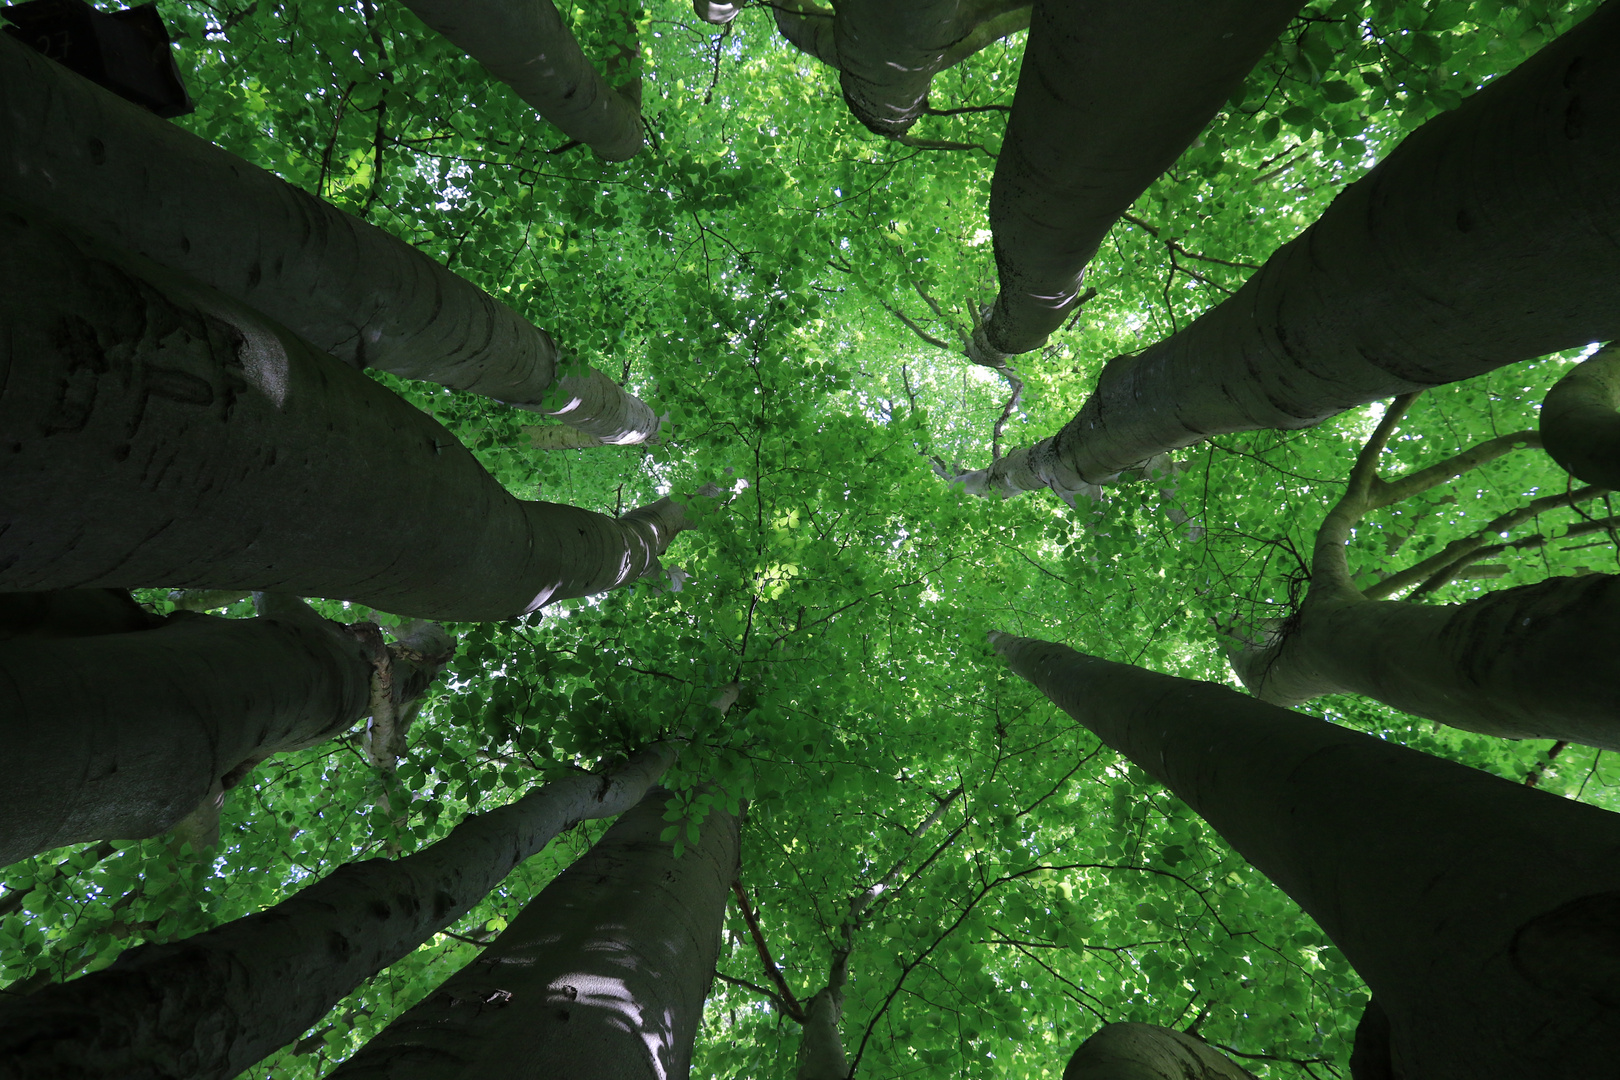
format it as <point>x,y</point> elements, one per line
<point>768,273</point>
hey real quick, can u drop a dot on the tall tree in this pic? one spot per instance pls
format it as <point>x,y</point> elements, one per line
<point>1579,423</point>
<point>126,733</point>
<point>887,54</point>
<point>1528,662</point>
<point>1388,291</point>
<point>124,176</point>
<point>213,1004</point>
<point>1409,862</point>
<point>1145,1052</point>
<point>526,45</point>
<point>603,973</point>
<point>1108,97</point>
<point>123,379</point>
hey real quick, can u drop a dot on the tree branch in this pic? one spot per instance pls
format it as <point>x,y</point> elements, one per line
<point>790,1003</point>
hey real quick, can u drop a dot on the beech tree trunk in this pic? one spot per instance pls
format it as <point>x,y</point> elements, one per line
<point>1533,662</point>
<point>1145,1052</point>
<point>160,434</point>
<point>1484,914</point>
<point>526,45</point>
<point>139,183</point>
<point>602,975</point>
<point>1490,235</point>
<point>1530,662</point>
<point>213,1004</point>
<point>888,52</point>
<point>121,735</point>
<point>1108,97</point>
<point>1580,426</point>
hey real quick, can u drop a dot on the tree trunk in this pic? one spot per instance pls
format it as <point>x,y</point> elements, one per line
<point>137,182</point>
<point>821,1046</point>
<point>717,13</point>
<point>1484,914</point>
<point>1146,1052</point>
<point>159,434</point>
<point>1579,425</point>
<point>888,52</point>
<point>1490,235</point>
<point>1529,662</point>
<point>526,45</point>
<point>212,1005</point>
<point>121,735</point>
<point>1108,97</point>
<point>1533,662</point>
<point>603,974</point>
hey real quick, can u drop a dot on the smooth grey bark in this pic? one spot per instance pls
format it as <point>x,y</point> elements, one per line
<point>1490,235</point>
<point>888,52</point>
<point>1580,427</point>
<point>139,183</point>
<point>158,433</point>
<point>717,13</point>
<point>211,1005</point>
<point>1145,1052</point>
<point>602,975</point>
<point>122,735</point>
<point>1484,914</point>
<point>1108,97</point>
<point>72,613</point>
<point>526,45</point>
<point>1529,662</point>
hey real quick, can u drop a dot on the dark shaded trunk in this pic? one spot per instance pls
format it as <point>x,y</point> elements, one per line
<point>1580,427</point>
<point>126,177</point>
<point>1529,662</point>
<point>1533,662</point>
<point>603,974</point>
<point>1108,97</point>
<point>1146,1052</point>
<point>121,735</point>
<point>157,433</point>
<point>1483,914</point>
<point>211,1005</point>
<point>888,52</point>
<point>1490,235</point>
<point>526,45</point>
<point>717,13</point>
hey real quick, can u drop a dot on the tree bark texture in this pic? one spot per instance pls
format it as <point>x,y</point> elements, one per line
<point>1108,97</point>
<point>1146,1052</point>
<point>121,735</point>
<point>1490,235</point>
<point>157,433</point>
<point>1533,662</point>
<point>526,45</point>
<point>821,1044</point>
<point>137,182</point>
<point>1484,914</point>
<point>211,1005</point>
<point>887,52</point>
<point>1580,427</point>
<point>602,975</point>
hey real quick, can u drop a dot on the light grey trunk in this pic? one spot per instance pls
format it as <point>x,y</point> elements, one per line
<point>137,182</point>
<point>602,975</point>
<point>1490,235</point>
<point>1533,662</point>
<point>1108,97</point>
<point>526,45</point>
<point>717,13</point>
<point>1145,1052</point>
<point>159,434</point>
<point>121,735</point>
<point>1580,428</point>
<point>1483,913</point>
<point>212,1005</point>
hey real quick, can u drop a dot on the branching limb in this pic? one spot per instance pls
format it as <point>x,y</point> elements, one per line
<point>790,1004</point>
